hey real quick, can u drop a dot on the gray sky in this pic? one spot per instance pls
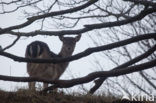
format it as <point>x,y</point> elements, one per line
<point>8,67</point>
<point>77,68</point>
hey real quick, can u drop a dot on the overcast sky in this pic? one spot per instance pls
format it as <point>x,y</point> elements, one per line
<point>77,68</point>
<point>9,67</point>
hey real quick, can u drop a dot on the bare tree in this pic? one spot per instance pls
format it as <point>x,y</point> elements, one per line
<point>123,31</point>
<point>127,53</point>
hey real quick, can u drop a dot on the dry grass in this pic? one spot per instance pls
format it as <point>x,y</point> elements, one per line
<point>26,96</point>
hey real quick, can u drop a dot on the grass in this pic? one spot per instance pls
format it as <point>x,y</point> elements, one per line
<point>27,96</point>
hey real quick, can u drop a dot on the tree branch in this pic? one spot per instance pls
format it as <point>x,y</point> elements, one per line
<point>85,79</point>
<point>102,74</point>
<point>137,86</point>
<point>18,37</point>
<point>143,2</point>
<point>34,18</point>
<point>87,27</point>
<point>138,17</point>
<point>82,54</point>
<point>99,82</point>
<point>148,81</point>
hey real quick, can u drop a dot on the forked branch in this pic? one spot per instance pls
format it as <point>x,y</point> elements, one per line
<point>34,18</point>
<point>88,27</point>
<point>99,81</point>
<point>90,77</point>
<point>82,54</point>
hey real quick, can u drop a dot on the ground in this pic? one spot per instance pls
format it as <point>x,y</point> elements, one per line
<point>26,96</point>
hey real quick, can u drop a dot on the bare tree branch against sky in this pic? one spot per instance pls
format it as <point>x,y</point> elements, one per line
<point>124,28</point>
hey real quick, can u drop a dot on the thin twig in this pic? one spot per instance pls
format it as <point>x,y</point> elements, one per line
<point>9,46</point>
<point>81,54</point>
<point>99,82</point>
